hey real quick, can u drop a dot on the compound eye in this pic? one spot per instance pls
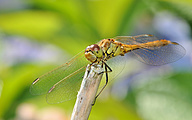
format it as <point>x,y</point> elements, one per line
<point>93,47</point>
<point>96,47</point>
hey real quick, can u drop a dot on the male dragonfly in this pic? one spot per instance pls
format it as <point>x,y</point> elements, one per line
<point>62,83</point>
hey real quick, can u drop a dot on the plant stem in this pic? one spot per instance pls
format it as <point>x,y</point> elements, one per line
<point>87,92</point>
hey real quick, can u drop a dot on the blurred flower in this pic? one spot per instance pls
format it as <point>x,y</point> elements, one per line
<point>51,113</point>
<point>18,50</point>
<point>26,111</point>
<point>7,5</point>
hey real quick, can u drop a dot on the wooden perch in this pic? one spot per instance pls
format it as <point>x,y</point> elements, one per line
<point>87,92</point>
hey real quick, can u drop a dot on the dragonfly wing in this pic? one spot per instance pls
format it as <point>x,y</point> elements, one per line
<point>132,40</point>
<point>117,64</point>
<point>43,84</point>
<point>159,55</point>
<point>67,88</point>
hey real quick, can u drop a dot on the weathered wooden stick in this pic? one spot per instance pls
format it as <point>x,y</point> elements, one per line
<point>87,92</point>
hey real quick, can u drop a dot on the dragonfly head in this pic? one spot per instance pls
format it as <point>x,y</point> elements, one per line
<point>93,53</point>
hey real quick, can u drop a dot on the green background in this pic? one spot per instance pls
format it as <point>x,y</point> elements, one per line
<point>38,35</point>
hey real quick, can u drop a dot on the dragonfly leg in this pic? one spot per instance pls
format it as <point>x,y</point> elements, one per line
<point>106,72</point>
<point>110,70</point>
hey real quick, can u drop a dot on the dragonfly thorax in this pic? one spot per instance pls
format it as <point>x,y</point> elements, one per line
<point>106,49</point>
<point>111,48</point>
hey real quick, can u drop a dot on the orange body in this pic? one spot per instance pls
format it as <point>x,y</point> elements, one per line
<point>111,48</point>
<point>62,83</point>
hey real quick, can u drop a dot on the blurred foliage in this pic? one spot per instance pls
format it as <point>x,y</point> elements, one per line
<point>170,95</point>
<point>71,25</point>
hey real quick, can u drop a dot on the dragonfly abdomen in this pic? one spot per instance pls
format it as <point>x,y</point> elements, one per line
<point>148,45</point>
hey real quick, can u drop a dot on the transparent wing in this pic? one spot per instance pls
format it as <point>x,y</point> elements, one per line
<point>153,55</point>
<point>117,64</point>
<point>132,40</point>
<point>67,88</point>
<point>66,80</point>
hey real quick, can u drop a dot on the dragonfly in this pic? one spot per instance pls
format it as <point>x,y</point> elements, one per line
<point>62,83</point>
